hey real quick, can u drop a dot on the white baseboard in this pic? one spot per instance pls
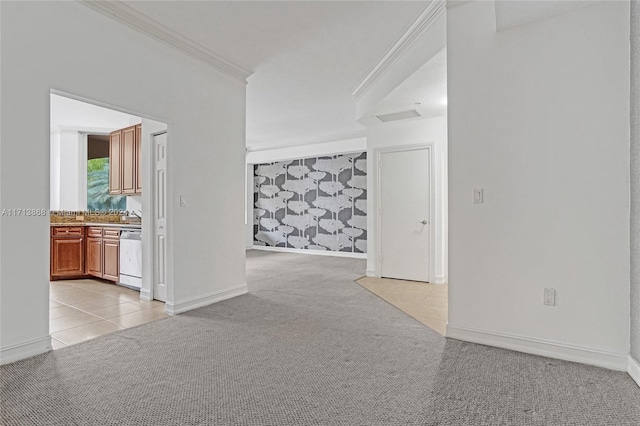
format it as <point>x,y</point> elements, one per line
<point>25,350</point>
<point>145,294</point>
<point>440,279</point>
<point>583,355</point>
<point>371,273</point>
<point>634,370</point>
<point>314,252</point>
<point>173,308</point>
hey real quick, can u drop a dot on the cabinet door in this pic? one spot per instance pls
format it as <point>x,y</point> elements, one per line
<point>129,160</point>
<point>94,257</point>
<point>67,257</point>
<point>111,255</point>
<point>138,157</point>
<point>115,162</point>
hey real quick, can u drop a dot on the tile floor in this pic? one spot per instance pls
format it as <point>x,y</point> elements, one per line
<point>425,302</point>
<point>80,310</point>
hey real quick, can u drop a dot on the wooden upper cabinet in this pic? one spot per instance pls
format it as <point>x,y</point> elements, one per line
<point>125,161</point>
<point>138,158</point>
<point>129,160</point>
<point>115,162</point>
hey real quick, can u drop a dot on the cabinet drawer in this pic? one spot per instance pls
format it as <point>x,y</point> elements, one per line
<point>111,233</point>
<point>67,231</point>
<point>94,231</point>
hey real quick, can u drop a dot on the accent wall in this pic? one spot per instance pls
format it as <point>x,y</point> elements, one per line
<point>317,203</point>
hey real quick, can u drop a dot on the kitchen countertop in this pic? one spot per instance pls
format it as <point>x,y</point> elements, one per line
<point>104,225</point>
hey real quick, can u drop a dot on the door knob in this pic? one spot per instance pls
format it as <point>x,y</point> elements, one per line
<point>424,222</point>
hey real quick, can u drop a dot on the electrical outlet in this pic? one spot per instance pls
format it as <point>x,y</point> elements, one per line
<point>549,297</point>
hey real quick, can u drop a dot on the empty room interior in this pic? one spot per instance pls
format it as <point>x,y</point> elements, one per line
<point>313,212</point>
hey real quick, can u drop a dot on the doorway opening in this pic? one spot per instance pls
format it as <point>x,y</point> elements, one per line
<point>105,262</point>
<point>407,263</point>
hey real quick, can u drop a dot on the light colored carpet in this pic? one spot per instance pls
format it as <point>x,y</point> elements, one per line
<point>307,346</point>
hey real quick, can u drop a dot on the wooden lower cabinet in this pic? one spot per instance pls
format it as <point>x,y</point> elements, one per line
<point>73,256</point>
<point>94,257</point>
<point>103,253</point>
<point>111,256</point>
<point>67,253</point>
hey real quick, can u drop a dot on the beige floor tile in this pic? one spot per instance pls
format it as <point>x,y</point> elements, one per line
<point>57,344</point>
<point>416,287</point>
<point>404,300</point>
<point>54,304</point>
<point>70,298</point>
<point>150,304</point>
<point>73,320</point>
<point>86,332</point>
<point>116,310</point>
<point>62,311</point>
<point>376,287</point>
<point>137,318</point>
<point>424,302</point>
<point>160,307</point>
<point>101,302</point>
<point>60,285</point>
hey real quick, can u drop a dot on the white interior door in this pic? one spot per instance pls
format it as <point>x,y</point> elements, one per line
<point>159,143</point>
<point>405,214</point>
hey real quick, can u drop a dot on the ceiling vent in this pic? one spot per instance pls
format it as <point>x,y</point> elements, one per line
<point>385,118</point>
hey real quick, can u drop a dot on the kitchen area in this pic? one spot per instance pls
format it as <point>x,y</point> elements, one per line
<point>96,247</point>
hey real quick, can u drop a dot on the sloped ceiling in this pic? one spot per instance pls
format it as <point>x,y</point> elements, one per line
<point>307,57</point>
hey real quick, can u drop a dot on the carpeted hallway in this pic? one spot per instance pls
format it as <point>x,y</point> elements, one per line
<point>307,346</point>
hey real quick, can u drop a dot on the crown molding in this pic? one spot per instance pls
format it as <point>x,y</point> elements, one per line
<point>314,141</point>
<point>428,16</point>
<point>141,23</point>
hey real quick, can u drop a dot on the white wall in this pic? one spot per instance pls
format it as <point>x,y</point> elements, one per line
<point>635,187</point>
<point>69,118</point>
<point>260,156</point>
<point>49,45</point>
<point>409,132</point>
<point>539,118</point>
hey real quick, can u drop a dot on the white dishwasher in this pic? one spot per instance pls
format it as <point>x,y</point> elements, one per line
<point>131,258</point>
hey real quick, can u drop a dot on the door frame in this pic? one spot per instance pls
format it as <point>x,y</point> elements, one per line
<point>148,264</point>
<point>149,200</point>
<point>378,152</point>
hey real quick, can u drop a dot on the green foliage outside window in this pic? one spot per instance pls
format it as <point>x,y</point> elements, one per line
<point>98,197</point>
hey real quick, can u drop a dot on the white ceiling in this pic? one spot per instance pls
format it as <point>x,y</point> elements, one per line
<point>307,57</point>
<point>66,113</point>
<point>513,13</point>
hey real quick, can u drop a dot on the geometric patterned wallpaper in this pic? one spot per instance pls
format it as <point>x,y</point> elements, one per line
<point>317,203</point>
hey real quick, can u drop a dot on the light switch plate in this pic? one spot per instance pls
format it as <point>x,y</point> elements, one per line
<point>478,196</point>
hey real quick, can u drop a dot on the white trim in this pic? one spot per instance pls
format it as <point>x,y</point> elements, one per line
<point>141,23</point>
<point>558,350</point>
<point>146,294</point>
<point>430,146</point>
<point>24,350</point>
<point>634,370</point>
<point>298,157</point>
<point>429,15</point>
<point>173,308</point>
<point>440,279</point>
<point>320,140</point>
<point>371,273</point>
<point>313,252</point>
